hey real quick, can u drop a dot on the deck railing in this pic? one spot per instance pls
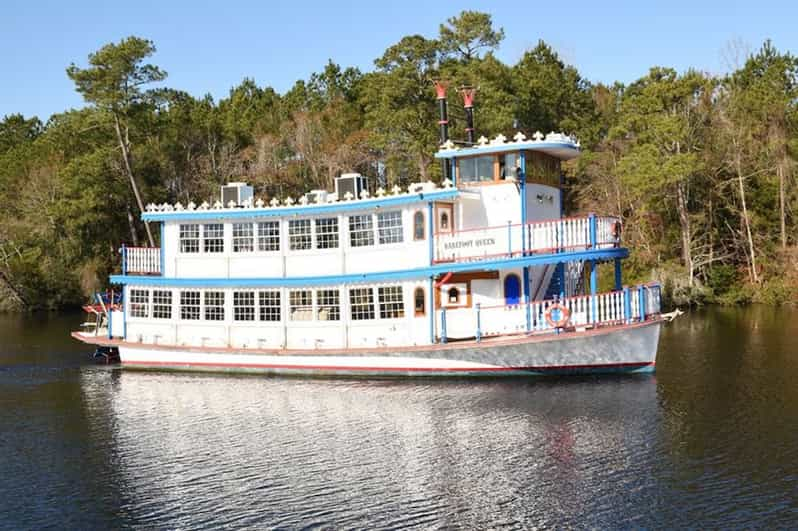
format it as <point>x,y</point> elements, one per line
<point>141,260</point>
<point>551,236</point>
<point>585,311</point>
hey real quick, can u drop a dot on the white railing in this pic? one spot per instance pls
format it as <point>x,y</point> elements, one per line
<point>585,311</point>
<point>557,235</point>
<point>141,260</point>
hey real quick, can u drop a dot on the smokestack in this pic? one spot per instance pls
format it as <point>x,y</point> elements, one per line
<point>443,123</point>
<point>468,102</point>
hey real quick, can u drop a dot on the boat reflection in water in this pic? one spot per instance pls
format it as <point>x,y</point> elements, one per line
<point>195,449</point>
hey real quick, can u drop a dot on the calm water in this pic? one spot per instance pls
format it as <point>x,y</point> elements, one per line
<point>711,440</point>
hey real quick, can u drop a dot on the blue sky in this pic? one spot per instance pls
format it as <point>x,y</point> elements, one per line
<point>208,47</point>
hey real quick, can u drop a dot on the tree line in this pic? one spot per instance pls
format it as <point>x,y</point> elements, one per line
<point>700,167</point>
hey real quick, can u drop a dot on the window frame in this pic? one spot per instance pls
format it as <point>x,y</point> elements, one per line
<point>244,306</point>
<point>391,302</point>
<point>361,230</point>
<point>162,304</point>
<point>305,237</point>
<point>326,233</point>
<point>330,300</point>
<point>361,309</point>
<point>213,244</point>
<point>213,310</point>
<point>184,305</point>
<point>297,302</point>
<point>184,238</point>
<point>270,305</point>
<point>419,222</point>
<point>267,236</point>
<point>136,303</point>
<point>388,230</point>
<point>248,240</point>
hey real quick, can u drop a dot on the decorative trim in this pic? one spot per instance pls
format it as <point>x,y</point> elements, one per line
<point>309,210</point>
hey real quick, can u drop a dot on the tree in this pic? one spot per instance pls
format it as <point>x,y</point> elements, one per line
<point>469,33</point>
<point>114,83</point>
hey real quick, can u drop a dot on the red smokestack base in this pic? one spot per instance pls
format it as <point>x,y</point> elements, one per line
<point>468,96</point>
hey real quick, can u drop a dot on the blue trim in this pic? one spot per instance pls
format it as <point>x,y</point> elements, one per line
<point>431,311</point>
<point>618,277</point>
<point>430,232</point>
<point>309,210</point>
<point>454,171</point>
<point>479,323</point>
<point>641,302</point>
<point>522,189</point>
<point>381,276</point>
<point>531,145</point>
<point>627,306</point>
<point>444,339</point>
<point>110,324</point>
<point>163,251</point>
<point>593,229</point>
<point>593,290</point>
<point>124,259</point>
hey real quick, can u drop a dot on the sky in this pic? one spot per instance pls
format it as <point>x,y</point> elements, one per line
<point>209,47</point>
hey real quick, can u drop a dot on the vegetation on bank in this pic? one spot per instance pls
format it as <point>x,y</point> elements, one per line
<point>701,168</point>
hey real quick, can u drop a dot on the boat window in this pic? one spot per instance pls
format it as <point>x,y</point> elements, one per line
<point>190,305</point>
<point>161,304</point>
<point>509,166</point>
<point>419,232</point>
<point>269,236</point>
<point>299,235</point>
<point>214,305</point>
<point>418,302</point>
<point>139,303</point>
<point>444,221</point>
<point>189,238</point>
<point>243,306</point>
<point>327,233</point>
<point>243,238</point>
<point>476,169</point>
<point>269,305</point>
<point>328,305</point>
<point>300,305</point>
<point>389,227</point>
<point>392,304</point>
<point>361,302</point>
<point>512,289</point>
<point>213,238</point>
<point>454,295</point>
<point>361,230</point>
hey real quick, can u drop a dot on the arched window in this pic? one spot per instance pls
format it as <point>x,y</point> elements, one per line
<point>418,302</point>
<point>444,221</point>
<point>418,226</point>
<point>453,295</point>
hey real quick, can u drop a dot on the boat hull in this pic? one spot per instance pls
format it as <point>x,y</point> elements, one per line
<point>622,349</point>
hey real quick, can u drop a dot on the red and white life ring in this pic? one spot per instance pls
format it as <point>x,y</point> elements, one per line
<point>565,316</point>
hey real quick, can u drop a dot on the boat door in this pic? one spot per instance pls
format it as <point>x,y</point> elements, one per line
<point>512,289</point>
<point>445,218</point>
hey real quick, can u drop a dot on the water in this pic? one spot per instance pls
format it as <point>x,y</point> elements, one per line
<point>709,441</point>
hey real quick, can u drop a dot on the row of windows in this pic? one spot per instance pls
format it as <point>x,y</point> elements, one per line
<point>303,234</point>
<point>265,305</point>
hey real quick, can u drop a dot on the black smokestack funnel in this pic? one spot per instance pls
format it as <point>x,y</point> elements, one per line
<point>468,94</point>
<point>443,122</point>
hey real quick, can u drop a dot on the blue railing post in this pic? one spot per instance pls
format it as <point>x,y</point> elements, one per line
<point>509,238</point>
<point>627,305</point>
<point>593,230</point>
<point>618,276</point>
<point>431,310</point>
<point>641,301</point>
<point>430,233</point>
<point>123,250</point>
<point>443,325</point>
<point>479,322</point>
<point>110,323</point>
<point>593,291</point>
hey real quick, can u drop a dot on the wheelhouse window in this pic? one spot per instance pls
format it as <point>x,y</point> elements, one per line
<point>508,166</point>
<point>361,230</point>
<point>139,303</point>
<point>214,305</point>
<point>300,305</point>
<point>190,305</point>
<point>419,306</point>
<point>269,236</point>
<point>475,169</point>
<point>392,304</point>
<point>243,238</point>
<point>327,233</point>
<point>361,302</point>
<point>189,238</point>
<point>299,235</point>
<point>243,305</point>
<point>328,305</point>
<point>269,305</point>
<point>389,227</point>
<point>419,230</point>
<point>453,295</point>
<point>213,238</point>
<point>161,304</point>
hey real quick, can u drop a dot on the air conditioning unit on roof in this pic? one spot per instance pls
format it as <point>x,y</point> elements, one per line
<point>353,183</point>
<point>238,193</point>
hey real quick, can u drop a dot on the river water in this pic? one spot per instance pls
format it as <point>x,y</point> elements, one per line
<point>710,440</point>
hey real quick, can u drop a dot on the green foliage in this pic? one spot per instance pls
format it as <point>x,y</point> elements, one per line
<point>702,169</point>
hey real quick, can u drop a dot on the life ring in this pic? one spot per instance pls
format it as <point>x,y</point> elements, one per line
<point>565,316</point>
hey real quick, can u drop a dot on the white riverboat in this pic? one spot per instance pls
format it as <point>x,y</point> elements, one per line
<point>479,275</point>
